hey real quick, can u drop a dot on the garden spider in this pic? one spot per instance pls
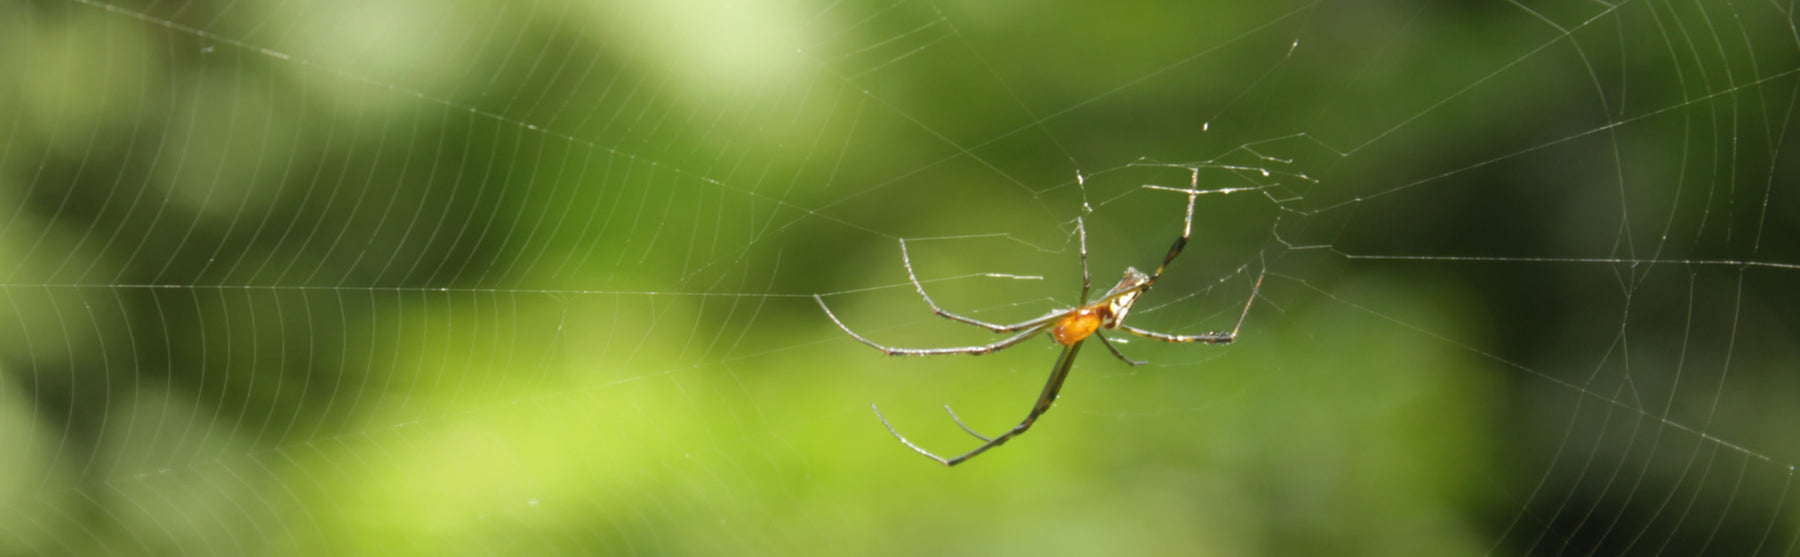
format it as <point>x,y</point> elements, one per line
<point>1069,327</point>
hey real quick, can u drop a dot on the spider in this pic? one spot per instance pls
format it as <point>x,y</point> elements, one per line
<point>1068,327</point>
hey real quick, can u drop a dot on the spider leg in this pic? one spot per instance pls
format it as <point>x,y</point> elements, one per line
<point>1036,326</point>
<point>1086,283</point>
<point>1208,338</point>
<point>906,259</point>
<point>903,440</point>
<point>1057,375</point>
<point>1115,351</point>
<point>1187,230</point>
<point>959,423</point>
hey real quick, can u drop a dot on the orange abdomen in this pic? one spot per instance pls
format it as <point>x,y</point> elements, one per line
<point>1077,326</point>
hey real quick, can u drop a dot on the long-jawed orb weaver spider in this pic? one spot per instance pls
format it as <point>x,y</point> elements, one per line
<point>1068,327</point>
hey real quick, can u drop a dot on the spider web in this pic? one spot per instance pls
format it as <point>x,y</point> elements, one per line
<point>468,277</point>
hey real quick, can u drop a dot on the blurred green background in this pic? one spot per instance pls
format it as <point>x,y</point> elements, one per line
<point>457,277</point>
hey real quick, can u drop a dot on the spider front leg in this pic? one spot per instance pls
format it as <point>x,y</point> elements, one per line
<point>1058,374</point>
<point>1187,230</point>
<point>959,423</point>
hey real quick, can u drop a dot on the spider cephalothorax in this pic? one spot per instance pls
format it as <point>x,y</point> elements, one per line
<point>1106,313</point>
<point>1069,327</point>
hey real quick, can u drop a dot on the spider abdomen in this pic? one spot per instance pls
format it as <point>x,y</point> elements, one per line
<point>1079,324</point>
